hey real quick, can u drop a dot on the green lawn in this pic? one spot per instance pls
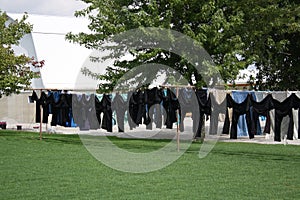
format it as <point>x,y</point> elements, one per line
<point>59,167</point>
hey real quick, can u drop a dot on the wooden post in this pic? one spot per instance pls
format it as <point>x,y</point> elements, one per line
<point>178,121</point>
<point>41,124</point>
<point>202,130</point>
<point>41,121</point>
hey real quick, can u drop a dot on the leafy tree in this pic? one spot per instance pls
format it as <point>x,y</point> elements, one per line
<point>15,73</point>
<point>272,36</point>
<point>235,33</point>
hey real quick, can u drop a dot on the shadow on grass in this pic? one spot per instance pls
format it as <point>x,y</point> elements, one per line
<point>62,140</point>
<point>227,150</point>
<point>34,136</point>
<point>260,152</point>
<point>129,144</point>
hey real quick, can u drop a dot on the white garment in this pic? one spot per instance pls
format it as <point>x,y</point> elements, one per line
<point>220,96</point>
<point>218,109</point>
<point>295,115</point>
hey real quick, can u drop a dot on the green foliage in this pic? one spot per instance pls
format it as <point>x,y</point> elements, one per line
<point>273,42</point>
<point>15,71</point>
<point>236,34</point>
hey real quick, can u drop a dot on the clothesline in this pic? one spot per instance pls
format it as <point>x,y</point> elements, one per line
<point>47,89</point>
<point>180,119</point>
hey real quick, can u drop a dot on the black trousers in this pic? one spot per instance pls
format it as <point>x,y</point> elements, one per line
<point>283,109</point>
<point>261,108</point>
<point>239,109</point>
<point>204,109</point>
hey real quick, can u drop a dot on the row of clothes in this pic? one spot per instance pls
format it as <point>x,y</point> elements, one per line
<point>148,107</point>
<point>56,103</point>
<point>156,106</point>
<point>73,110</point>
<point>244,108</point>
<point>162,107</point>
<point>92,112</point>
<point>166,106</point>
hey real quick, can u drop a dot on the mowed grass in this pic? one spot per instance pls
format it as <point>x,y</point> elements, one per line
<point>59,167</point>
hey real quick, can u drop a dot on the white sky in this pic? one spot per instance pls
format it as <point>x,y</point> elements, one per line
<point>42,7</point>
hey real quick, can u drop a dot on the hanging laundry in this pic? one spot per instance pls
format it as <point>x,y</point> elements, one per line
<point>296,113</point>
<point>79,111</point>
<point>153,100</point>
<point>280,96</point>
<point>133,109</point>
<point>242,129</point>
<point>41,102</point>
<point>84,112</point>
<point>119,105</point>
<point>204,109</point>
<point>171,105</point>
<point>188,104</point>
<point>239,109</point>
<point>107,120</point>
<point>136,108</point>
<point>283,109</point>
<point>61,110</point>
<point>261,108</point>
<point>218,108</point>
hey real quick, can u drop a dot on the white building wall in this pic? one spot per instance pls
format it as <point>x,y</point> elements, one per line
<point>15,109</point>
